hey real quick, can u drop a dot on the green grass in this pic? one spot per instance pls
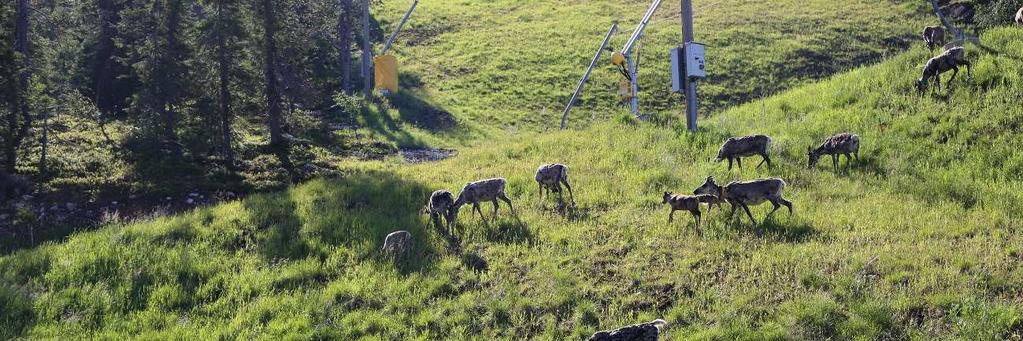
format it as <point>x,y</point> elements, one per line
<point>921,239</point>
<point>509,66</point>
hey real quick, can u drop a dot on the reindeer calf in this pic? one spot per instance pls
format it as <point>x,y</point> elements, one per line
<point>738,147</point>
<point>439,205</point>
<point>689,203</point>
<point>847,144</point>
<point>551,177</point>
<point>934,36</point>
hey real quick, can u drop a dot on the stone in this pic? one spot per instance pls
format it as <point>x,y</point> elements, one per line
<point>398,242</point>
<point>649,331</point>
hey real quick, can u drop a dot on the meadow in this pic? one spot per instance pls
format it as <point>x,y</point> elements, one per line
<point>920,239</point>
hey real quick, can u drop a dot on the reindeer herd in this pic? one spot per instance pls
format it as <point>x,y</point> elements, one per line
<point>738,194</point>
<point>550,178</point>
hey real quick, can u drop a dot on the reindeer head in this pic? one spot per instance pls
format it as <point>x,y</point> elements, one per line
<point>921,85</point>
<point>708,187</point>
<point>723,152</point>
<point>812,157</point>
<point>667,197</point>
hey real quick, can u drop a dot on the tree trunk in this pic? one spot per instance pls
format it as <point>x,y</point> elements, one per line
<point>19,132</point>
<point>344,35</point>
<point>225,94</point>
<point>367,53</point>
<point>102,73</point>
<point>273,95</point>
<point>170,89</point>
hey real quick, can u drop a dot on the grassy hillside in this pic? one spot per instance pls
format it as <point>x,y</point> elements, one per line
<point>472,71</point>
<point>921,239</point>
<point>512,65</point>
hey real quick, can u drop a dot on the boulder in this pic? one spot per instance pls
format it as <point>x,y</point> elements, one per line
<point>398,242</point>
<point>649,331</point>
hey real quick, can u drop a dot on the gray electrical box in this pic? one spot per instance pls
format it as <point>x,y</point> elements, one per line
<point>694,60</point>
<point>678,81</point>
<point>686,62</point>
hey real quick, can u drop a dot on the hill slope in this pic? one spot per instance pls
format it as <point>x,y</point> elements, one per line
<point>512,65</point>
<point>921,238</point>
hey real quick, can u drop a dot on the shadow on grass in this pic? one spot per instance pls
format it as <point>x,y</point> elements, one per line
<point>355,212</point>
<point>779,228</point>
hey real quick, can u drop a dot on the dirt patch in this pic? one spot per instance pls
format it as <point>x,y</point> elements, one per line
<point>420,155</point>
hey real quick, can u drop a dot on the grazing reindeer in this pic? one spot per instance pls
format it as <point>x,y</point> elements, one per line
<point>934,36</point>
<point>738,147</point>
<point>847,144</point>
<point>753,192</point>
<point>713,192</point>
<point>551,177</point>
<point>1019,16</point>
<point>440,204</point>
<point>689,203</point>
<point>962,12</point>
<point>948,60</point>
<point>482,190</point>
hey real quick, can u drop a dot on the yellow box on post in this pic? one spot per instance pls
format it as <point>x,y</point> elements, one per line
<point>385,72</point>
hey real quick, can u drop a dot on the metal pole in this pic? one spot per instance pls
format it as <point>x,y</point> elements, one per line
<point>367,53</point>
<point>586,75</point>
<point>390,40</point>
<point>687,36</point>
<point>633,85</point>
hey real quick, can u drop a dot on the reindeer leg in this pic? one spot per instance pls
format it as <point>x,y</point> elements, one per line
<point>504,198</point>
<point>561,197</point>
<point>671,216</point>
<point>729,164</point>
<point>732,215</point>
<point>848,160</point>
<point>786,203</point>
<point>776,207</point>
<point>834,162</point>
<point>955,71</point>
<point>476,208</point>
<point>750,214</point>
<point>495,209</point>
<point>738,161</point>
<point>696,215</point>
<point>767,160</point>
<point>570,195</point>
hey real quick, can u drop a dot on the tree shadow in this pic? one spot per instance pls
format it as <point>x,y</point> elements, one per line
<point>356,212</point>
<point>412,108</point>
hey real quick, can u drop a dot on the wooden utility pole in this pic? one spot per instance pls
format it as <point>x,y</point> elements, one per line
<point>687,37</point>
<point>586,75</point>
<point>367,53</point>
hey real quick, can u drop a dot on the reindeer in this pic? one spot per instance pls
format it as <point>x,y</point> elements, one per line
<point>713,192</point>
<point>934,36</point>
<point>1019,16</point>
<point>738,147</point>
<point>551,177</point>
<point>689,203</point>
<point>482,190</point>
<point>753,192</point>
<point>439,205</point>
<point>847,144</point>
<point>948,60</point>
